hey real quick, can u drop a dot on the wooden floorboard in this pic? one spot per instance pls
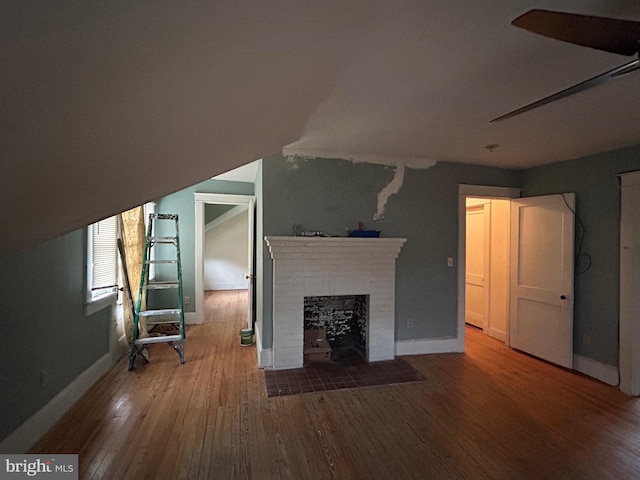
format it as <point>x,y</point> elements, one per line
<point>489,413</point>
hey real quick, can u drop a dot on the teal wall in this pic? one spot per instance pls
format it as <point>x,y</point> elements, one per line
<point>330,195</point>
<point>44,326</point>
<point>182,203</point>
<point>42,289</point>
<point>597,189</point>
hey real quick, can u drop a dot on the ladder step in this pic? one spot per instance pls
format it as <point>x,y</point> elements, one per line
<point>160,339</point>
<point>167,240</point>
<point>162,238</point>
<point>162,321</point>
<point>164,311</point>
<point>155,317</point>
<point>160,285</point>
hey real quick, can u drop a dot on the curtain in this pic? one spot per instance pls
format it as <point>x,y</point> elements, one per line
<point>133,238</point>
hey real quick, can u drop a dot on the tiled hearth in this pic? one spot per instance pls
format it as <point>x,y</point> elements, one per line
<point>320,266</point>
<point>322,377</point>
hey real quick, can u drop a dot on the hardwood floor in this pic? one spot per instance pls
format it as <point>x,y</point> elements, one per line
<point>491,413</point>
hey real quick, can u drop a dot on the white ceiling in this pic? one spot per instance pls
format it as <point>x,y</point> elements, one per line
<point>110,104</point>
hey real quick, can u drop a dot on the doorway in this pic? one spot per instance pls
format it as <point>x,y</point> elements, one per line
<point>234,207</point>
<point>540,287</point>
<point>487,265</point>
<point>479,198</point>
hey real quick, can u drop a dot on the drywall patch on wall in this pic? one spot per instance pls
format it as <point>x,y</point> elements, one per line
<point>291,154</point>
<point>392,188</point>
<point>295,155</point>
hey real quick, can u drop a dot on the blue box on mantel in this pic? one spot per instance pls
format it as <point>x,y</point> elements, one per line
<point>364,233</point>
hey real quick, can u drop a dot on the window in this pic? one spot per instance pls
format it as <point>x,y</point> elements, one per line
<point>102,264</point>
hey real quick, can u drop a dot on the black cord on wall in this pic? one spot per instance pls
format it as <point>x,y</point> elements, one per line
<point>579,255</point>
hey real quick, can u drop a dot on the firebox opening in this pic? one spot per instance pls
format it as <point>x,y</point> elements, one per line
<point>342,320</point>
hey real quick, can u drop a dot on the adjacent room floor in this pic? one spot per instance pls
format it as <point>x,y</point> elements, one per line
<point>489,413</point>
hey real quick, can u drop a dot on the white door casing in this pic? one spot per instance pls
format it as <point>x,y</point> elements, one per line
<point>630,283</point>
<point>542,269</point>
<point>217,198</point>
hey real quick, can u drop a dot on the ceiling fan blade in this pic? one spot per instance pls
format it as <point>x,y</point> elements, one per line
<point>592,82</point>
<point>608,34</point>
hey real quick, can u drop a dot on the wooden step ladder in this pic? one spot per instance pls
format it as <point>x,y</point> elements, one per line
<point>157,317</point>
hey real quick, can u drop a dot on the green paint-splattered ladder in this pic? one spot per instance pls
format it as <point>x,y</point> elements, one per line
<point>173,316</point>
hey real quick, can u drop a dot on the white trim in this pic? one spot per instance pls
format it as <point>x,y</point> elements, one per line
<point>37,425</point>
<point>190,318</point>
<point>226,199</point>
<point>600,371</point>
<point>629,179</point>
<point>485,191</point>
<point>497,334</point>
<point>265,355</point>
<point>265,358</point>
<point>629,323</point>
<point>241,285</point>
<point>428,345</point>
<point>98,303</point>
<point>222,198</point>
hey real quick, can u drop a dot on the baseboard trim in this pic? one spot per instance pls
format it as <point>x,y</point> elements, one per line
<point>242,285</point>
<point>428,345</point>
<point>37,425</point>
<point>600,371</point>
<point>265,355</point>
<point>190,318</point>
<point>497,334</point>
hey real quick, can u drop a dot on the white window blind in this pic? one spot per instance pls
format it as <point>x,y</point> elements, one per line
<point>103,251</point>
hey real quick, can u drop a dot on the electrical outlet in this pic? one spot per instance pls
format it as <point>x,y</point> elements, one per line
<point>450,262</point>
<point>410,323</point>
<point>187,300</point>
<point>44,377</point>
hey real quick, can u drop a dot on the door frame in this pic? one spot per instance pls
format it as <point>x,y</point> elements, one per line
<point>629,326</point>
<point>200,199</point>
<point>464,191</point>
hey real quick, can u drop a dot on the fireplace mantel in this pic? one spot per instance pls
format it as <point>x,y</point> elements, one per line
<point>323,266</point>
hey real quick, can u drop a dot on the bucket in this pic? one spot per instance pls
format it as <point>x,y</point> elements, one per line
<point>246,337</point>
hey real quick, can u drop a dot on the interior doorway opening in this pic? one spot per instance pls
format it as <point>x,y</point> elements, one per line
<point>540,271</point>
<point>479,198</point>
<point>225,210</point>
<point>487,265</point>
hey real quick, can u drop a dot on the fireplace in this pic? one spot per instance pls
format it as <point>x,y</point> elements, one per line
<point>343,319</point>
<point>325,266</point>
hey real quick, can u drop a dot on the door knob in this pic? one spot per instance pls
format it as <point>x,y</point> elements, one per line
<point>563,297</point>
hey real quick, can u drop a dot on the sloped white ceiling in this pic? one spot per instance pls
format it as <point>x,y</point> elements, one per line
<point>106,105</point>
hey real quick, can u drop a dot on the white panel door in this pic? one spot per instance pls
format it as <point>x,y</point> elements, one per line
<point>542,239</point>
<point>476,274</point>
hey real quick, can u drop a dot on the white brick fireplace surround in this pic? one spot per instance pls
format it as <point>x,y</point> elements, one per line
<point>324,266</point>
